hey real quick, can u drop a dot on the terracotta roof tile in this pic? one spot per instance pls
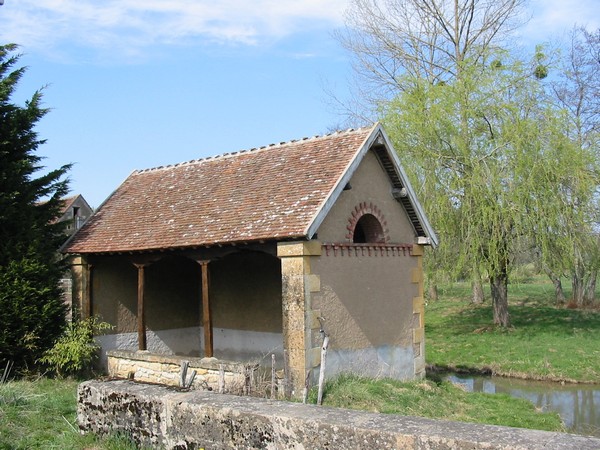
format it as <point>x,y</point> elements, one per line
<point>274,192</point>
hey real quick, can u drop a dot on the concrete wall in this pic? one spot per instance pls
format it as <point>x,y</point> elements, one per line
<point>159,417</point>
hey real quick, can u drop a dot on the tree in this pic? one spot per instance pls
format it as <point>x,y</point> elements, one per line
<point>576,91</point>
<point>474,126</point>
<point>484,187</point>
<point>32,314</point>
<point>397,41</point>
<point>414,47</point>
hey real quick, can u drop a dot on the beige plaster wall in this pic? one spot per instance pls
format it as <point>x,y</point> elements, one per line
<point>244,289</point>
<point>366,301</point>
<point>114,292</point>
<point>173,294</point>
<point>245,296</point>
<point>370,184</point>
<point>369,295</point>
<point>245,292</point>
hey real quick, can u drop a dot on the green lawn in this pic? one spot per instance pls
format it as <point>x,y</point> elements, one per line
<point>41,414</point>
<point>544,342</point>
<point>436,400</point>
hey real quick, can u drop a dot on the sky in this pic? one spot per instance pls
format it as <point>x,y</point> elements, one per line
<point>136,84</point>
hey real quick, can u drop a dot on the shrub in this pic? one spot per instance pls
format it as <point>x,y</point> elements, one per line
<point>76,350</point>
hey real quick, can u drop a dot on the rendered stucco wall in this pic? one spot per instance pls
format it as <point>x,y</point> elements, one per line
<point>371,295</point>
<point>369,185</point>
<point>366,303</point>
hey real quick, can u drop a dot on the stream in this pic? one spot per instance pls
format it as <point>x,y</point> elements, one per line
<point>577,404</point>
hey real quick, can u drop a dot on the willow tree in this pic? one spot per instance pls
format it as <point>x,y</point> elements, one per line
<point>411,47</point>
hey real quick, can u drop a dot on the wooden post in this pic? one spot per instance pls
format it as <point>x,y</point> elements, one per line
<point>141,320</point>
<point>206,319</point>
<point>87,298</point>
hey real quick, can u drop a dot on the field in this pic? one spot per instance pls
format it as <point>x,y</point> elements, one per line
<point>544,342</point>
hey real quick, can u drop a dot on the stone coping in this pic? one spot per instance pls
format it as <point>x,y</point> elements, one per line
<point>146,356</point>
<point>164,418</point>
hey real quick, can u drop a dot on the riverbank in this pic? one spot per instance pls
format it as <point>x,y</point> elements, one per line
<point>545,342</point>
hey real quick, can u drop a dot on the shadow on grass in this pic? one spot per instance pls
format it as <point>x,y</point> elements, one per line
<point>455,317</point>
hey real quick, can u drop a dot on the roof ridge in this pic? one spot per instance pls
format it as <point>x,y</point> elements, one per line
<point>254,149</point>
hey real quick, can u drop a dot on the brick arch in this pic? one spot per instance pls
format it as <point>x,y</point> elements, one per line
<point>360,211</point>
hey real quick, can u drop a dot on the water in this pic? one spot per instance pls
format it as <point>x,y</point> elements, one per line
<point>577,404</point>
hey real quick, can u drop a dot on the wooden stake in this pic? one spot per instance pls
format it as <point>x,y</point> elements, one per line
<point>221,379</point>
<point>306,386</point>
<point>273,380</point>
<point>322,371</point>
<point>183,373</point>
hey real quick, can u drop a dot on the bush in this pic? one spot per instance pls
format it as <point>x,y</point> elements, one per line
<point>32,312</point>
<point>76,350</point>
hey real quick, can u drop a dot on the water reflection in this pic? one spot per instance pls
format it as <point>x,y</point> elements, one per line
<point>578,405</point>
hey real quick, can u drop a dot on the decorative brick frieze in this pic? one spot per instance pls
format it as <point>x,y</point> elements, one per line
<point>360,210</point>
<point>355,250</point>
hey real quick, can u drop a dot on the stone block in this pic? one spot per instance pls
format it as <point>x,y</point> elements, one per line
<point>418,334</point>
<point>417,275</point>
<point>418,305</point>
<point>417,250</point>
<point>313,283</point>
<point>158,417</point>
<point>305,248</point>
<point>313,357</point>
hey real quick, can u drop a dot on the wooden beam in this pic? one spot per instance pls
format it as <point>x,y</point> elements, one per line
<point>141,319</point>
<point>206,318</point>
<point>87,299</point>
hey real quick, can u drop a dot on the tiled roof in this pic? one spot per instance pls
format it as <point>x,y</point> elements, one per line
<point>66,203</point>
<point>273,192</point>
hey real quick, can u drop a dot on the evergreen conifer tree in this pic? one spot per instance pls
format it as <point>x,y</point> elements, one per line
<point>32,313</point>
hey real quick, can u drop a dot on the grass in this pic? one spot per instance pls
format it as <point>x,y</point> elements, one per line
<point>545,342</point>
<point>436,400</point>
<point>41,414</point>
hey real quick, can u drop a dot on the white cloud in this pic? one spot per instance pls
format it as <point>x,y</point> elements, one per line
<point>129,26</point>
<point>551,19</point>
<point>118,29</point>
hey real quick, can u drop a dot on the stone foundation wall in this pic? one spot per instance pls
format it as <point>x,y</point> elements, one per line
<point>162,417</point>
<point>145,367</point>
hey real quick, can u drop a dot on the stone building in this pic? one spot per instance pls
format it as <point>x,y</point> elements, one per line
<point>261,252</point>
<point>75,211</point>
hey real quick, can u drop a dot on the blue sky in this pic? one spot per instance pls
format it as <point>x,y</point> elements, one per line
<point>135,84</point>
